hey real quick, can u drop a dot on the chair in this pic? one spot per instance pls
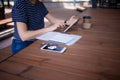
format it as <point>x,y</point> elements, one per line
<point>108,3</point>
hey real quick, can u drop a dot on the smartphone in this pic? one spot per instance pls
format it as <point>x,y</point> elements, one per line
<point>54,48</point>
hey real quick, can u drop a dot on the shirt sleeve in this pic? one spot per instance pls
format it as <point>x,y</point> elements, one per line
<point>45,11</point>
<point>19,13</point>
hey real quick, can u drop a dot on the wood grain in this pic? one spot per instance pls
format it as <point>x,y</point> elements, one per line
<point>95,57</point>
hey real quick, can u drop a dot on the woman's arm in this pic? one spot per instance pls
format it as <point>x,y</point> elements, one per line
<point>26,34</point>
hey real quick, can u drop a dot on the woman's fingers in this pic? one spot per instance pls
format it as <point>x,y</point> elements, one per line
<point>59,26</point>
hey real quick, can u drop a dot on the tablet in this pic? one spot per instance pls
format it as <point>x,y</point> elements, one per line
<point>68,27</point>
<point>53,48</point>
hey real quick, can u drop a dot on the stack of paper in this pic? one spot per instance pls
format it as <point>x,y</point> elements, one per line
<point>63,38</point>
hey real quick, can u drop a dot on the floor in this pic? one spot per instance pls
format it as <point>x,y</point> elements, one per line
<point>101,42</point>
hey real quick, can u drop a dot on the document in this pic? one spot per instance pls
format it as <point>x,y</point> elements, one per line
<point>58,37</point>
<point>61,38</point>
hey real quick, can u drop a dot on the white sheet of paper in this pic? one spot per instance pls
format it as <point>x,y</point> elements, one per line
<point>61,38</point>
<point>47,36</point>
<point>67,39</point>
<point>75,39</point>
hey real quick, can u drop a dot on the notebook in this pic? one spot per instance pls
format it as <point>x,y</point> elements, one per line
<point>59,37</point>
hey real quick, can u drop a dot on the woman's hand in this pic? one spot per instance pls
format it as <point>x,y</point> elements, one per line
<point>58,26</point>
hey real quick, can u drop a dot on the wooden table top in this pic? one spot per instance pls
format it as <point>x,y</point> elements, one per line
<point>94,57</point>
<point>5,21</point>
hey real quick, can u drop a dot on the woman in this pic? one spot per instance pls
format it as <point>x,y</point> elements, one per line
<point>28,17</point>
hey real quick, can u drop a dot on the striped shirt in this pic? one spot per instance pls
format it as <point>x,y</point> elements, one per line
<point>31,14</point>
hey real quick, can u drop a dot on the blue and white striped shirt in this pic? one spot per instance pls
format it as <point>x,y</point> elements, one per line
<point>31,14</point>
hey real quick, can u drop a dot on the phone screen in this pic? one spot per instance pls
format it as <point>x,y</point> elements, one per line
<point>53,47</point>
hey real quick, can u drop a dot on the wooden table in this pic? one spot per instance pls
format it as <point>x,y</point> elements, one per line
<point>79,62</point>
<point>5,21</point>
<point>94,57</point>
